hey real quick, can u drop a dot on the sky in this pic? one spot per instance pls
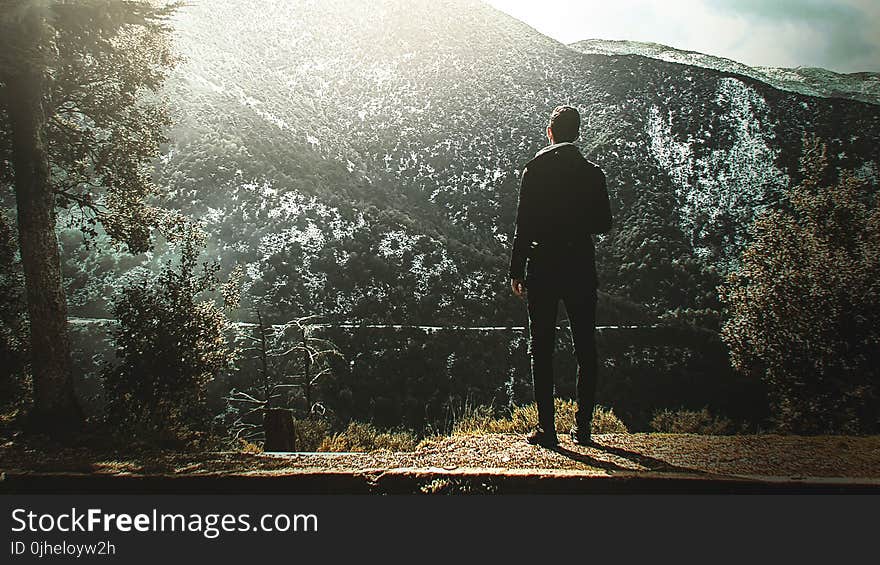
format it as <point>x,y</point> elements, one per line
<point>841,35</point>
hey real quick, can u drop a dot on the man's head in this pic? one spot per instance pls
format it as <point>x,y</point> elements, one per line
<point>565,124</point>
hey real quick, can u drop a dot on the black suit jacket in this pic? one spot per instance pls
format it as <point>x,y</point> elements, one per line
<point>563,200</point>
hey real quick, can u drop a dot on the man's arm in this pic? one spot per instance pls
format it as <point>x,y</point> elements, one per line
<point>600,207</point>
<point>522,237</point>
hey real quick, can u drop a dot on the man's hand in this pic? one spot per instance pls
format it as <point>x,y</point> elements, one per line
<point>518,287</point>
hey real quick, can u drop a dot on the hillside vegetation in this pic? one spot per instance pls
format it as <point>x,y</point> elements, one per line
<point>361,160</point>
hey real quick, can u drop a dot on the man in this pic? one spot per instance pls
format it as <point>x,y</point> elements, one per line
<point>563,200</point>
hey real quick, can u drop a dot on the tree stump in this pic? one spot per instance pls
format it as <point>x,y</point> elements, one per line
<point>280,435</point>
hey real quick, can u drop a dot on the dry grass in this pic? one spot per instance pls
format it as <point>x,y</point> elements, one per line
<point>310,434</point>
<point>690,422</point>
<point>358,438</point>
<point>523,419</point>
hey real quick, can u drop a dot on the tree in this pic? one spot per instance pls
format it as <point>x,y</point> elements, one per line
<point>13,325</point>
<point>805,305</point>
<point>171,341</point>
<point>79,135</point>
<point>292,364</point>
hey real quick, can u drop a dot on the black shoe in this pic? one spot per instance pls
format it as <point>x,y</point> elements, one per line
<point>579,437</point>
<point>542,438</point>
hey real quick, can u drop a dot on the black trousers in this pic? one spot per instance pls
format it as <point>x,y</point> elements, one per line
<point>543,307</point>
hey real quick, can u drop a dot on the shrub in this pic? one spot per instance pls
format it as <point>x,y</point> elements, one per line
<point>170,345</point>
<point>523,419</point>
<point>244,446</point>
<point>482,420</point>
<point>690,422</point>
<point>804,308</point>
<point>359,437</point>
<point>606,422</point>
<point>310,433</point>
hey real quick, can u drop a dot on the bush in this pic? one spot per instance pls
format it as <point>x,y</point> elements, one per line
<point>690,422</point>
<point>606,422</point>
<point>245,446</point>
<point>805,305</point>
<point>482,420</point>
<point>310,434</point>
<point>170,345</point>
<point>359,437</point>
<point>523,419</point>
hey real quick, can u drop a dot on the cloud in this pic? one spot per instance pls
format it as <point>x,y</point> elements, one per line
<point>788,9</point>
<point>842,35</point>
<point>836,34</point>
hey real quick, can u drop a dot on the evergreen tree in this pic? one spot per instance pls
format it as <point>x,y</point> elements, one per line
<point>13,325</point>
<point>79,133</point>
<point>805,305</point>
<point>171,342</point>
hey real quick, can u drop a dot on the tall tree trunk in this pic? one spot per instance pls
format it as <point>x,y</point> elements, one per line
<point>55,408</point>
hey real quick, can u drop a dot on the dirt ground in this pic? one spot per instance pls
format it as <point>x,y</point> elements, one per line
<point>791,457</point>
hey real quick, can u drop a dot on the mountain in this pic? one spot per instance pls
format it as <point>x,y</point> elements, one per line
<point>812,81</point>
<point>361,160</point>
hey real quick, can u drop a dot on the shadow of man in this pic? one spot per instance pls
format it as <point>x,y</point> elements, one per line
<point>647,462</point>
<point>609,466</point>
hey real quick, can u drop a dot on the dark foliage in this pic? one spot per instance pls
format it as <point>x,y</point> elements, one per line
<point>170,345</point>
<point>805,306</point>
<point>81,122</point>
<point>104,121</point>
<point>424,380</point>
<point>13,322</point>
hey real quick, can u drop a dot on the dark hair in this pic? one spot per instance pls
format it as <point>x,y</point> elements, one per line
<point>565,122</point>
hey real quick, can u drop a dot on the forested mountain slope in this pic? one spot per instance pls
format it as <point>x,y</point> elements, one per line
<point>361,159</point>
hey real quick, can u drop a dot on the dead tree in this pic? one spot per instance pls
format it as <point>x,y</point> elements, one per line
<point>291,364</point>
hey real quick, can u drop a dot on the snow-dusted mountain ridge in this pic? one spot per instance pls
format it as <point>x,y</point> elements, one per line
<point>864,86</point>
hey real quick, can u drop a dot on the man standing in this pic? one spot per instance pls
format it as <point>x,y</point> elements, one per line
<point>563,200</point>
